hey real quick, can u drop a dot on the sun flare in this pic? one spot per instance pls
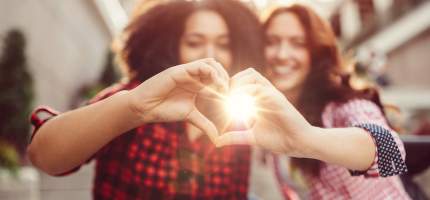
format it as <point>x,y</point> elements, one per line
<point>240,107</point>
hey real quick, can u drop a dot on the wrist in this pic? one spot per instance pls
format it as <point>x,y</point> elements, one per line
<point>134,114</point>
<point>301,137</point>
<point>309,142</point>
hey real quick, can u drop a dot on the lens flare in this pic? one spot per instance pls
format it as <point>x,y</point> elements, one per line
<point>240,107</point>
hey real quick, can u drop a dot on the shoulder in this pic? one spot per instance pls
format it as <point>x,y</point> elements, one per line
<point>351,111</point>
<point>353,105</point>
<point>111,90</point>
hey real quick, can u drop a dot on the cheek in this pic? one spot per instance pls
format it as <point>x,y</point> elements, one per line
<point>270,53</point>
<point>305,61</point>
<point>186,54</point>
<point>225,59</point>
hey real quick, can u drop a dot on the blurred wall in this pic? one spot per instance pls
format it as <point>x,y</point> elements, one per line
<point>409,65</point>
<point>408,69</point>
<point>66,44</point>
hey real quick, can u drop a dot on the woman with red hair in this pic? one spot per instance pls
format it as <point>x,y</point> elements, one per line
<point>339,135</point>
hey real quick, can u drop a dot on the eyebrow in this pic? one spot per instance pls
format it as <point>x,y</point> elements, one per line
<point>290,37</point>
<point>200,35</point>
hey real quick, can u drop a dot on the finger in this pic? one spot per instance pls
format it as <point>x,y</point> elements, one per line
<point>206,60</point>
<point>250,89</point>
<point>242,73</point>
<point>210,93</point>
<point>197,75</point>
<point>263,80</point>
<point>223,71</point>
<point>218,84</point>
<point>199,69</point>
<point>213,91</point>
<point>220,69</point>
<point>236,137</point>
<point>204,124</point>
<point>243,80</point>
<point>211,73</point>
<point>224,75</point>
<point>248,76</point>
<point>211,62</point>
<point>261,98</point>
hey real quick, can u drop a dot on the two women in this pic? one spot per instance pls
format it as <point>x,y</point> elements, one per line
<point>139,157</point>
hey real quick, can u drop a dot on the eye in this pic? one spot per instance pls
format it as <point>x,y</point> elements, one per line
<point>224,44</point>
<point>299,42</point>
<point>193,43</point>
<point>272,40</point>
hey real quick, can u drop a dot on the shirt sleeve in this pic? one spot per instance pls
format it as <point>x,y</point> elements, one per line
<point>37,120</point>
<point>390,161</point>
<point>390,153</point>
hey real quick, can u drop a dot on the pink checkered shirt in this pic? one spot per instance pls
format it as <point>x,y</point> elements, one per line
<point>336,182</point>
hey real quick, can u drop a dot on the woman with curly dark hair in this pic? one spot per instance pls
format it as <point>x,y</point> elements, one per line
<point>137,156</point>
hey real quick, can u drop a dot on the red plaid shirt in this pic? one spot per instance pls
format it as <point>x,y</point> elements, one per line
<point>158,161</point>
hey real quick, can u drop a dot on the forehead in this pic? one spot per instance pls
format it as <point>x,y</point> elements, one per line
<point>286,24</point>
<point>206,22</point>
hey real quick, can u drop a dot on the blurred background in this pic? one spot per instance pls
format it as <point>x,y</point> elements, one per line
<point>57,53</point>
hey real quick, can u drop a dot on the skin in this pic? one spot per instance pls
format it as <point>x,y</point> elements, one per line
<point>172,95</point>
<point>279,127</point>
<point>168,96</point>
<point>287,54</point>
<point>206,35</point>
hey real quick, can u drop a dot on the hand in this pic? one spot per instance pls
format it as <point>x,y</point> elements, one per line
<point>170,95</point>
<point>278,126</point>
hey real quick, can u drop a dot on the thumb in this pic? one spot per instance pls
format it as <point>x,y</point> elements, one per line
<point>200,121</point>
<point>236,137</point>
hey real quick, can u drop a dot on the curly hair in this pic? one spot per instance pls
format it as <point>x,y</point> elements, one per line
<point>152,38</point>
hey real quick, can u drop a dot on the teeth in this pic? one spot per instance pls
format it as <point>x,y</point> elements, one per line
<point>283,69</point>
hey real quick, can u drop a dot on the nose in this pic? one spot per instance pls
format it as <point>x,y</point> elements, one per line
<point>284,51</point>
<point>209,51</point>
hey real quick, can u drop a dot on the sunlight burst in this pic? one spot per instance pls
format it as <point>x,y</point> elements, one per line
<point>240,107</point>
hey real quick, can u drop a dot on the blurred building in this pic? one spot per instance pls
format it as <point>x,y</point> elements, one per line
<point>67,42</point>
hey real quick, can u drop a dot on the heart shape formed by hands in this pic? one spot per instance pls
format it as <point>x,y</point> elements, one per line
<point>177,93</point>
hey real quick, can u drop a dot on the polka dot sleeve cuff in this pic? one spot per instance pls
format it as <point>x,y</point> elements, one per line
<point>390,161</point>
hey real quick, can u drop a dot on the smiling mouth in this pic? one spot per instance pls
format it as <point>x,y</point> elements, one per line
<point>284,69</point>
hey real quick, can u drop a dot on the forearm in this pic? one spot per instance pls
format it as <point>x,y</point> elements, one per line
<point>352,148</point>
<point>71,138</point>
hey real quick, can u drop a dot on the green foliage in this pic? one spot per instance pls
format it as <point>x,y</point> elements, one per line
<point>108,77</point>
<point>16,95</point>
<point>9,158</point>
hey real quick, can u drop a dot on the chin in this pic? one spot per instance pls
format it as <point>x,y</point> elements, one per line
<point>283,84</point>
